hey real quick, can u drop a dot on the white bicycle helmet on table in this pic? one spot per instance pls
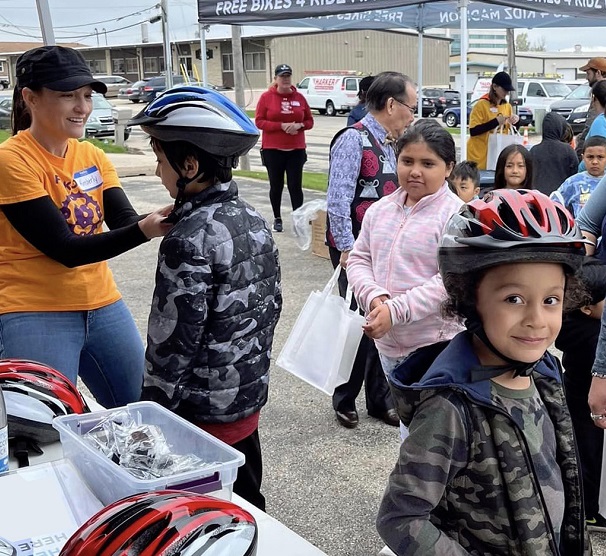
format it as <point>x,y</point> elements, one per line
<point>34,395</point>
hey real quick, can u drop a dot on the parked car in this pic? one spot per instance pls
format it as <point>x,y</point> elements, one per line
<point>330,94</point>
<point>114,83</point>
<point>219,88</point>
<point>6,105</point>
<point>133,92</point>
<point>440,99</point>
<point>541,93</point>
<point>428,107</point>
<point>574,107</point>
<point>101,122</point>
<point>452,116</point>
<point>157,85</point>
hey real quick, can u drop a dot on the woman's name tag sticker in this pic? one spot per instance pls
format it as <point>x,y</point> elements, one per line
<point>88,179</point>
<point>493,109</point>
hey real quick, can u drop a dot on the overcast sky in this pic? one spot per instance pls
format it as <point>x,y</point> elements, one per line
<point>94,22</point>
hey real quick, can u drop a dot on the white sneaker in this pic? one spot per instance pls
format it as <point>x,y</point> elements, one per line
<point>386,551</point>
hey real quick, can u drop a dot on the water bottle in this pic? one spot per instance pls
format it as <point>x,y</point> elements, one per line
<point>3,435</point>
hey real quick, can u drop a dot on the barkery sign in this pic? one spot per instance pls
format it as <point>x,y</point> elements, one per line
<point>239,12</point>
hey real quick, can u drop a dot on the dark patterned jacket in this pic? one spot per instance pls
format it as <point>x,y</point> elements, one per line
<point>215,306</point>
<point>472,488</point>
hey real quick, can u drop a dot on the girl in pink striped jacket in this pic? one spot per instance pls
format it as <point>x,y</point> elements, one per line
<point>393,267</point>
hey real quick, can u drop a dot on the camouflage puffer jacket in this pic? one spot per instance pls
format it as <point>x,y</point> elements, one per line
<point>473,488</point>
<point>215,306</point>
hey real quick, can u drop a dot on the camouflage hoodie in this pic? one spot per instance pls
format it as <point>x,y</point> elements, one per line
<point>215,306</point>
<point>473,488</point>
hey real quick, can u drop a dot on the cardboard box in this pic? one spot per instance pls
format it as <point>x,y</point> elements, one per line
<point>318,235</point>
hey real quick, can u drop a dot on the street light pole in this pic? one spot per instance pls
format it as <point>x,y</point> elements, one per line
<point>46,23</point>
<point>203,28</point>
<point>168,56</point>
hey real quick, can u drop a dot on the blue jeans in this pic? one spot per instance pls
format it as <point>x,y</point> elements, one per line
<point>102,346</point>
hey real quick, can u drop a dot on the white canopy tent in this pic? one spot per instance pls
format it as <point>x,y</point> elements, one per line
<point>390,14</point>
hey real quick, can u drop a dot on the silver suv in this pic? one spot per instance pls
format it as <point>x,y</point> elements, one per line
<point>101,121</point>
<point>113,83</point>
<point>574,107</point>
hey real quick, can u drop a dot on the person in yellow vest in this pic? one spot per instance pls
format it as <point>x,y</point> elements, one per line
<point>491,111</point>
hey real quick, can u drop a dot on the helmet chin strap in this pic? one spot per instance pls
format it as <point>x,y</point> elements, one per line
<point>474,325</point>
<point>182,183</point>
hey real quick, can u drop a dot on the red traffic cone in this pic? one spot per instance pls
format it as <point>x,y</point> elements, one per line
<point>525,140</point>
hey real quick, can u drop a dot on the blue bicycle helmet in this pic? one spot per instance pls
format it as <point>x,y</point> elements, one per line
<point>202,117</point>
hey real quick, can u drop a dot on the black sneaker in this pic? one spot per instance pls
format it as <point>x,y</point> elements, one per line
<point>278,225</point>
<point>596,524</point>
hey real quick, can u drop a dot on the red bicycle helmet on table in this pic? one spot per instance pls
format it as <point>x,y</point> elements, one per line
<point>166,523</point>
<point>34,395</point>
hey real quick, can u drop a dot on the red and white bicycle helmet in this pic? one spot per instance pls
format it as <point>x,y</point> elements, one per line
<point>166,523</point>
<point>34,395</point>
<point>509,226</point>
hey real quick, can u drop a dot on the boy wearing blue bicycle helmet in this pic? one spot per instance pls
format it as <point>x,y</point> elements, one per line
<point>217,296</point>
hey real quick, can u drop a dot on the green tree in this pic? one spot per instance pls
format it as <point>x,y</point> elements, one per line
<point>539,45</point>
<point>522,42</point>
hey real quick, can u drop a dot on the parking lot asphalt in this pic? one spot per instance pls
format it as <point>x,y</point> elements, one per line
<point>323,481</point>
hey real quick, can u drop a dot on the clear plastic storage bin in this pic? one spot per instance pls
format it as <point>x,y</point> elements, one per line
<point>110,482</point>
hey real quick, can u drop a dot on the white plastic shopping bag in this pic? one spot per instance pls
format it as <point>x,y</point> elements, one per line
<point>301,221</point>
<point>498,140</point>
<point>323,343</point>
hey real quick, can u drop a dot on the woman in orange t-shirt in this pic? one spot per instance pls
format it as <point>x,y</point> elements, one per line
<point>59,304</point>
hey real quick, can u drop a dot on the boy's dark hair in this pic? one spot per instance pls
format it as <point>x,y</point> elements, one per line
<point>593,277</point>
<point>499,173</point>
<point>567,134</point>
<point>594,141</point>
<point>177,153</point>
<point>436,138</point>
<point>598,90</point>
<point>462,293</point>
<point>467,170</point>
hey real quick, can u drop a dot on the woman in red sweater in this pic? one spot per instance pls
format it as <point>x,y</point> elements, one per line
<point>283,115</point>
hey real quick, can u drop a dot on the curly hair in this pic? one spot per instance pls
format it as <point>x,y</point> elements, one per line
<point>462,293</point>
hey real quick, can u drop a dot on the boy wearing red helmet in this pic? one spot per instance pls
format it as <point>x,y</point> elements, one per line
<point>490,464</point>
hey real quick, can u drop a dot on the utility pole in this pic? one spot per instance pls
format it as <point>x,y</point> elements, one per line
<point>168,55</point>
<point>511,63</point>
<point>238,63</point>
<point>202,27</point>
<point>46,23</point>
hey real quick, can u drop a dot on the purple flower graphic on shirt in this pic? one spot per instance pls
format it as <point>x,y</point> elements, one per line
<point>81,212</point>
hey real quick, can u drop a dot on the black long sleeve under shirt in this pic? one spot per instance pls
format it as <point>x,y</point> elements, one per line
<point>41,223</point>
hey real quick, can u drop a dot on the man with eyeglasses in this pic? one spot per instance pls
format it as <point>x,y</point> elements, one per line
<point>363,169</point>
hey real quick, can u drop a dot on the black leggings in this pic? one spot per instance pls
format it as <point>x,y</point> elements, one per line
<point>277,162</point>
<point>248,480</point>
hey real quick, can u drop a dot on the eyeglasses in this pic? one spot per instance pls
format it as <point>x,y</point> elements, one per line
<point>411,108</point>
